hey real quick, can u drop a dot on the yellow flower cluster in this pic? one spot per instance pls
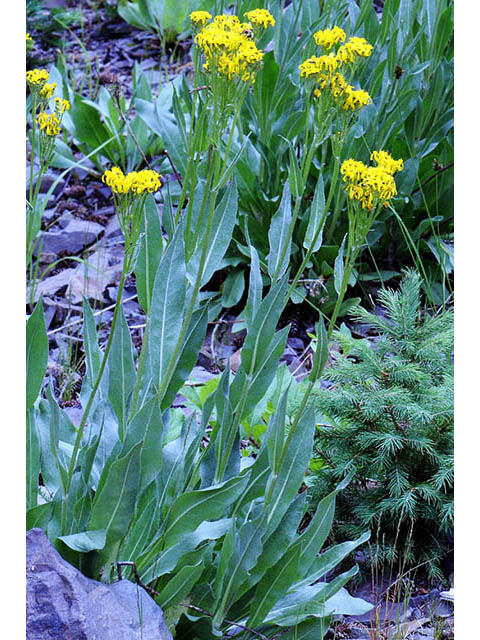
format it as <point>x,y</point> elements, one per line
<point>228,48</point>
<point>353,49</point>
<point>328,37</point>
<point>47,90</point>
<point>371,185</point>
<point>200,17</point>
<point>135,182</point>
<point>29,40</point>
<point>61,105</point>
<point>315,66</point>
<point>260,18</point>
<point>49,123</point>
<point>37,77</point>
<point>325,69</point>
<point>348,98</point>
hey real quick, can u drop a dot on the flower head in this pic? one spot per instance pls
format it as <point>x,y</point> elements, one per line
<point>328,37</point>
<point>29,40</point>
<point>229,49</point>
<point>135,182</point>
<point>260,18</point>
<point>354,99</point>
<point>386,162</point>
<point>353,49</point>
<point>47,90</point>
<point>37,77</point>
<point>371,185</point>
<point>316,65</point>
<point>200,18</point>
<point>49,123</point>
<point>61,105</point>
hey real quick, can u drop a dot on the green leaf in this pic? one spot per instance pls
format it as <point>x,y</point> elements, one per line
<point>321,352</point>
<point>286,484</point>
<point>224,220</point>
<point>278,236</point>
<point>180,585</point>
<point>156,562</point>
<point>122,373</point>
<point>149,255</point>
<point>273,586</point>
<point>85,541</point>
<point>255,288</point>
<point>37,353</point>
<point>168,302</point>
<point>339,267</point>
<point>260,335</point>
<point>93,354</point>
<point>32,459</point>
<point>115,500</point>
<point>193,507</point>
<point>295,179</point>
<point>275,436</point>
<point>233,288</point>
<point>318,215</point>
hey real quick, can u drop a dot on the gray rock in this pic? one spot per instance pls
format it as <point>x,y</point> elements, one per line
<point>62,604</point>
<point>71,239</point>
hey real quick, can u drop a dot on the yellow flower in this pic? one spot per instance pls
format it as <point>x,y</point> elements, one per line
<point>386,162</point>
<point>328,37</point>
<point>49,123</point>
<point>61,105</point>
<point>371,185</point>
<point>228,48</point>
<point>314,66</point>
<point>135,182</point>
<point>354,48</point>
<point>29,39</point>
<point>47,90</point>
<point>37,77</point>
<point>260,18</point>
<point>200,17</point>
<point>355,99</point>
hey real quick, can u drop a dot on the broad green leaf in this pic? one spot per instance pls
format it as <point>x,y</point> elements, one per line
<point>156,562</point>
<point>193,507</point>
<point>115,501</point>
<point>180,585</point>
<point>93,354</point>
<point>122,373</point>
<point>37,353</point>
<point>224,219</point>
<point>339,267</point>
<point>273,586</point>
<point>255,288</point>
<point>321,352</point>
<point>275,436</point>
<point>85,541</point>
<point>150,253</point>
<point>295,179</point>
<point>188,355</point>
<point>279,237</point>
<point>233,288</point>
<point>245,553</point>
<point>260,335</point>
<point>32,459</point>
<point>168,302</point>
<point>316,221</point>
<point>286,484</point>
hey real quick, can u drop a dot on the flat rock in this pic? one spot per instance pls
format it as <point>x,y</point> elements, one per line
<point>62,604</point>
<point>76,235</point>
